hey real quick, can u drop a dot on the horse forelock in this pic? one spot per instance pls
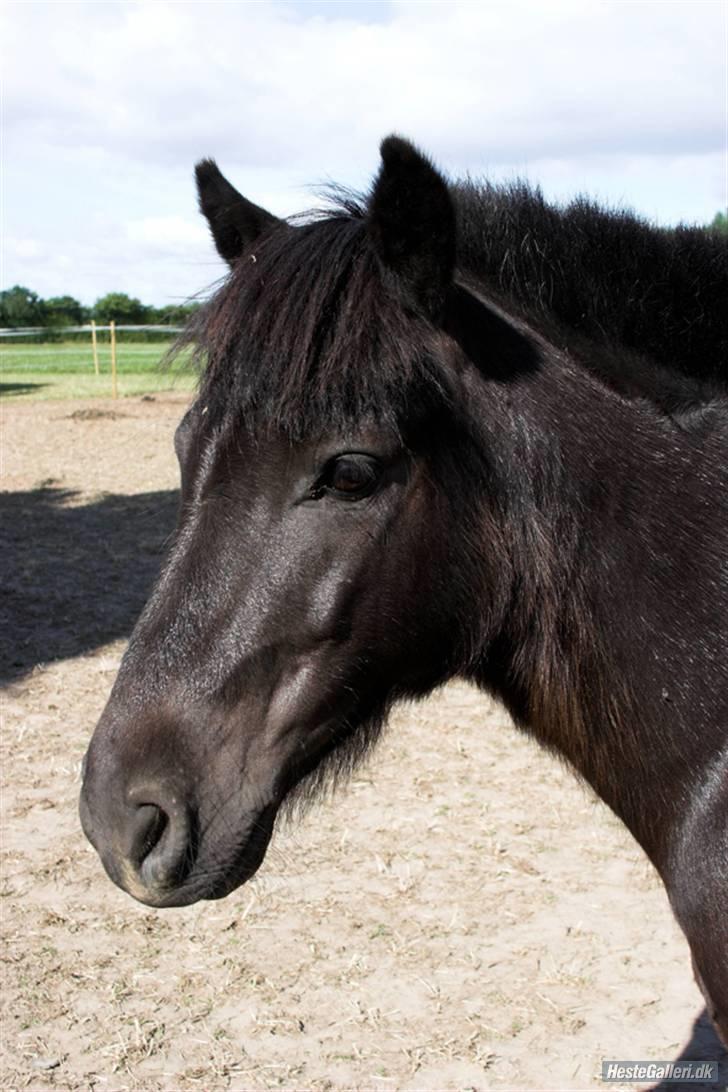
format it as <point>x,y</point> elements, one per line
<point>307,332</point>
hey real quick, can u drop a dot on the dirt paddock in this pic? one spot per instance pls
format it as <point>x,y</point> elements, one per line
<point>462,916</point>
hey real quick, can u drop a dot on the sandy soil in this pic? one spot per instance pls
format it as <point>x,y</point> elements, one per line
<point>462,916</point>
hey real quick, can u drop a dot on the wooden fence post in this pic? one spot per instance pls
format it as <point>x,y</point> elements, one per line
<point>95,346</point>
<point>112,329</point>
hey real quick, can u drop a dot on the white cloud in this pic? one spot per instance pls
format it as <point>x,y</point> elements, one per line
<point>159,81</point>
<point>26,249</point>
<point>168,232</point>
<point>612,96</point>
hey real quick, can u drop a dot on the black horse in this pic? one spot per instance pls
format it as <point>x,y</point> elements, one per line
<point>448,430</point>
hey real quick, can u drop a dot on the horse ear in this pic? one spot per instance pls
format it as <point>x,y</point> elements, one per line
<point>234,221</point>
<point>412,224</point>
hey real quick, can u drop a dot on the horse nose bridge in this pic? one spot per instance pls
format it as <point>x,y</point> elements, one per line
<point>184,650</point>
<point>216,609</point>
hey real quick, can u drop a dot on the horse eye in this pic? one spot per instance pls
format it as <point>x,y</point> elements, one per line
<point>352,476</point>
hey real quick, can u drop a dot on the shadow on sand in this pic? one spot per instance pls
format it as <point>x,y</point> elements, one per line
<point>75,576</point>
<point>20,388</point>
<point>703,1046</point>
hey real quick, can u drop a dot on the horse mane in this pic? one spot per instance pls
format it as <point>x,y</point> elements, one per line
<point>308,327</point>
<point>640,306</point>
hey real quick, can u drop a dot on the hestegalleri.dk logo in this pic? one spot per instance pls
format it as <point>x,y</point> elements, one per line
<point>700,1072</point>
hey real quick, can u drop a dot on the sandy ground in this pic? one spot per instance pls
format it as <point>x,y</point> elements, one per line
<point>461,916</point>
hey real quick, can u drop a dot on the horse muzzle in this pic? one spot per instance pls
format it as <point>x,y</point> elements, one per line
<point>160,846</point>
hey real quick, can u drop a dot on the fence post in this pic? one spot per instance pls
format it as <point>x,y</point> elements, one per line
<point>95,346</point>
<point>114,390</point>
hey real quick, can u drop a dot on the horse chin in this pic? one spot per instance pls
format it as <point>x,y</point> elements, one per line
<point>247,861</point>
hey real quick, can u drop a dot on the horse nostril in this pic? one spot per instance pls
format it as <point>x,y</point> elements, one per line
<point>150,823</point>
<point>161,842</point>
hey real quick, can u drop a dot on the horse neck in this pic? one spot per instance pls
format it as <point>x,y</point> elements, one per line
<point>607,512</point>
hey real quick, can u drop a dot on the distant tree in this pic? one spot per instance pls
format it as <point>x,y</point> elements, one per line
<point>64,311</point>
<point>21,307</point>
<point>174,314</point>
<point>720,222</point>
<point>121,308</point>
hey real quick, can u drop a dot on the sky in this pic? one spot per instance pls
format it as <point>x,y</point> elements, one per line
<point>108,105</point>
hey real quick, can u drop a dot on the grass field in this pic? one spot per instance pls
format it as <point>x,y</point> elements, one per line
<point>66,370</point>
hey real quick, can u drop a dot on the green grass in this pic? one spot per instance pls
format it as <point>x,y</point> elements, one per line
<point>66,370</point>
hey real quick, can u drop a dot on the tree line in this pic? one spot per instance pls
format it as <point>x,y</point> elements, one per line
<point>21,306</point>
